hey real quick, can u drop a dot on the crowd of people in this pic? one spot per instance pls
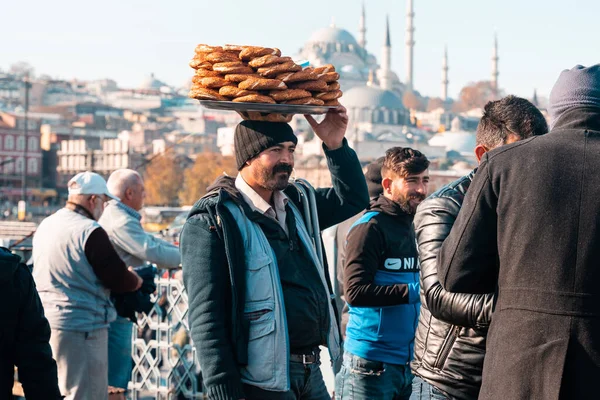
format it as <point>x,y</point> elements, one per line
<point>485,289</point>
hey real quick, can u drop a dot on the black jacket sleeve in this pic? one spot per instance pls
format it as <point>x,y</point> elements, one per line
<point>33,354</point>
<point>107,264</point>
<point>365,249</point>
<point>206,279</point>
<point>468,260</point>
<point>349,194</point>
<point>433,222</point>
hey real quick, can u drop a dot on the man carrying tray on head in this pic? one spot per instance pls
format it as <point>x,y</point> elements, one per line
<point>260,302</point>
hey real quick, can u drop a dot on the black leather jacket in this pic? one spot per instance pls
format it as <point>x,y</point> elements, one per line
<point>451,335</point>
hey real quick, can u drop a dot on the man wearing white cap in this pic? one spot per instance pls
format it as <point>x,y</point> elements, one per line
<point>75,269</point>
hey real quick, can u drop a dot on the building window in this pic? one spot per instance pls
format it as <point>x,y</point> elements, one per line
<point>33,144</point>
<point>10,167</point>
<point>9,142</point>
<point>32,166</point>
<point>20,143</point>
<point>20,165</point>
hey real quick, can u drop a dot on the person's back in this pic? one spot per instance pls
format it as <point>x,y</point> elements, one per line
<point>535,237</point>
<point>24,334</point>
<point>74,297</point>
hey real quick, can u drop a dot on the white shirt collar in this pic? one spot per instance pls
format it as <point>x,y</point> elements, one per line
<point>256,202</point>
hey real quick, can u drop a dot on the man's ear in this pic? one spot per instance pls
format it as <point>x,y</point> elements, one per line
<point>480,150</point>
<point>386,183</point>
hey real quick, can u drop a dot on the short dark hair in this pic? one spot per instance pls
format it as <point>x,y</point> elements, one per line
<point>509,115</point>
<point>404,161</point>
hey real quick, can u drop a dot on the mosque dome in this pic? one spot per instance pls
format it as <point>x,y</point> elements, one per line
<point>151,83</point>
<point>462,142</point>
<point>333,35</point>
<point>372,97</point>
<point>375,105</point>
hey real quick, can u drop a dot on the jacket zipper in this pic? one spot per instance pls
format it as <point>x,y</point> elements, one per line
<point>229,262</point>
<point>448,343</point>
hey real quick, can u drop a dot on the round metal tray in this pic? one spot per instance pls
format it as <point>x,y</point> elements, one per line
<point>266,107</point>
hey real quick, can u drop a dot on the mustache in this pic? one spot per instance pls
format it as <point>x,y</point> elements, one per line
<point>416,196</point>
<point>283,168</point>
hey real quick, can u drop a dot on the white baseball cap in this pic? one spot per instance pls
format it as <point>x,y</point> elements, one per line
<point>89,183</point>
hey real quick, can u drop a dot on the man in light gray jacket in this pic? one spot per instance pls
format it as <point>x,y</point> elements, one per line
<point>121,220</point>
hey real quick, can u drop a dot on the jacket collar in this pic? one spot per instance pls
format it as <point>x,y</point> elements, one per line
<point>130,211</point>
<point>581,118</point>
<point>390,207</point>
<point>79,210</point>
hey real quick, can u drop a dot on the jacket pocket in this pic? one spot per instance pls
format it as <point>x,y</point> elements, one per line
<point>259,286</point>
<point>447,347</point>
<point>261,342</point>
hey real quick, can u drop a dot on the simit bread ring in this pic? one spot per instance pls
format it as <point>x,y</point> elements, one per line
<point>240,77</point>
<point>233,47</point>
<point>205,94</point>
<point>332,103</point>
<point>328,95</point>
<point>324,69</point>
<point>274,70</point>
<point>309,101</point>
<point>254,98</point>
<point>333,86</point>
<point>213,82</point>
<point>262,84</point>
<point>203,73</point>
<point>300,76</point>
<point>330,77</point>
<point>204,48</point>
<point>221,57</point>
<point>198,63</point>
<point>316,86</point>
<point>233,67</point>
<point>289,94</point>
<point>234,91</point>
<point>250,52</point>
<point>267,60</point>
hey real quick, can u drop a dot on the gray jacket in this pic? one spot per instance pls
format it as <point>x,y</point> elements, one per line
<point>132,243</point>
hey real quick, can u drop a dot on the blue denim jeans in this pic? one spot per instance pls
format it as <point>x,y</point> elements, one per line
<point>362,379</point>
<point>306,383</point>
<point>119,352</point>
<point>425,391</point>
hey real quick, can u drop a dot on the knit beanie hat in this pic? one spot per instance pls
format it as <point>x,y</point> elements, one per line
<point>373,177</point>
<point>253,137</point>
<point>577,87</point>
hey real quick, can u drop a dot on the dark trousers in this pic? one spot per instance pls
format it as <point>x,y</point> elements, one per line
<point>306,383</point>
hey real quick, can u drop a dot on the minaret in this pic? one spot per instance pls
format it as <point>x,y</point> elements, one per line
<point>445,80</point>
<point>362,29</point>
<point>410,43</point>
<point>534,100</point>
<point>495,72</point>
<point>386,58</point>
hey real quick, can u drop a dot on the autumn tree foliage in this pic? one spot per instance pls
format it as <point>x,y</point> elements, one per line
<point>206,168</point>
<point>475,95</point>
<point>163,180</point>
<point>412,101</point>
<point>434,103</point>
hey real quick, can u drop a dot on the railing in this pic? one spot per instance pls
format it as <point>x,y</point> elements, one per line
<point>164,358</point>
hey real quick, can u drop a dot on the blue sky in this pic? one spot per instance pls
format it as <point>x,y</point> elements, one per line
<point>128,39</point>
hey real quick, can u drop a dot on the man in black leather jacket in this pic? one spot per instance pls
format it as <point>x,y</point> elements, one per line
<point>451,335</point>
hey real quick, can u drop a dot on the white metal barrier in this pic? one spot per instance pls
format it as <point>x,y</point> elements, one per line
<point>164,358</point>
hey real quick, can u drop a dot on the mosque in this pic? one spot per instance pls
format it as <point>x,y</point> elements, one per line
<point>372,91</point>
